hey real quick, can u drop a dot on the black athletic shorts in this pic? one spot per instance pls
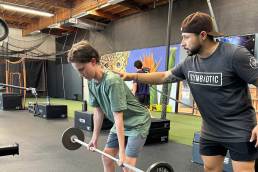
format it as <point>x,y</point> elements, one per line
<point>242,151</point>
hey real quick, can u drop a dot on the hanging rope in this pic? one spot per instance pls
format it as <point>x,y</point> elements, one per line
<point>62,67</point>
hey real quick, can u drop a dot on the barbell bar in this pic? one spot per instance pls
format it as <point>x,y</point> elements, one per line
<point>9,150</point>
<point>73,138</point>
<point>33,90</point>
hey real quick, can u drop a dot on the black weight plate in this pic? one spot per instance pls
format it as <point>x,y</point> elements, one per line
<point>67,138</point>
<point>160,167</point>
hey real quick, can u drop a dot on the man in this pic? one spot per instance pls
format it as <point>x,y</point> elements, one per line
<point>141,90</point>
<point>218,75</point>
<point>109,95</point>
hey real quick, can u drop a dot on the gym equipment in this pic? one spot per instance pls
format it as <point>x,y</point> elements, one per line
<point>73,138</point>
<point>168,38</point>
<point>9,150</point>
<point>159,131</point>
<point>84,121</point>
<point>45,111</point>
<point>33,91</point>
<point>10,101</point>
<point>52,111</point>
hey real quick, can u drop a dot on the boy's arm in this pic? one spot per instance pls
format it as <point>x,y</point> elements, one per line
<point>98,117</point>
<point>119,123</point>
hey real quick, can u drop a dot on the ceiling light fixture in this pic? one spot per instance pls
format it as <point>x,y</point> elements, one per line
<point>110,2</point>
<point>24,9</point>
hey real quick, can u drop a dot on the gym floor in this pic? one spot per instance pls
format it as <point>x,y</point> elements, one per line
<point>41,148</point>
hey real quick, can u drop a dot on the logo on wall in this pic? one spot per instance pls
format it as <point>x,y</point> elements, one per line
<point>253,63</point>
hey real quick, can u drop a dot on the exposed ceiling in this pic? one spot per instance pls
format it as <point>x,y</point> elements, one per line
<point>94,12</point>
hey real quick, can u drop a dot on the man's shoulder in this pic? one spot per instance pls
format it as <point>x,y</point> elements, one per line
<point>230,51</point>
<point>229,47</point>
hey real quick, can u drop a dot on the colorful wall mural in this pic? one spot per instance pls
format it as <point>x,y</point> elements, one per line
<point>153,58</point>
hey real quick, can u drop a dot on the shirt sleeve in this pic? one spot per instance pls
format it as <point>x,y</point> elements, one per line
<point>245,65</point>
<point>177,72</point>
<point>92,99</point>
<point>117,96</point>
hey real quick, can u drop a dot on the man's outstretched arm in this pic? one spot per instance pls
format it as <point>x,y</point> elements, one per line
<point>150,78</point>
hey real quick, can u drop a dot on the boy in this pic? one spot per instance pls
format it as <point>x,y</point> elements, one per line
<point>109,95</point>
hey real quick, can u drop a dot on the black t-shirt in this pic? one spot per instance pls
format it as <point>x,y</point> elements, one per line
<point>219,85</point>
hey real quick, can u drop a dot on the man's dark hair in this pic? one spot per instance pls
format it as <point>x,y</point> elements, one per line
<point>198,22</point>
<point>82,52</point>
<point>138,64</point>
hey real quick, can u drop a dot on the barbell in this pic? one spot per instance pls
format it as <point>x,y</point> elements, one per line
<point>33,90</point>
<point>73,138</point>
<point>9,150</point>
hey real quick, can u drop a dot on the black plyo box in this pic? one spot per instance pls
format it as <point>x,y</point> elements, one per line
<point>52,111</point>
<point>10,101</point>
<point>157,135</point>
<point>159,123</point>
<point>84,120</point>
<point>159,131</point>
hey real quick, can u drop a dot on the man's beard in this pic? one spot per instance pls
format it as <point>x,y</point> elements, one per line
<point>194,51</point>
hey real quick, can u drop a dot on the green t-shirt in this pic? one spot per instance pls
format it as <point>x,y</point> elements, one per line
<point>111,94</point>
